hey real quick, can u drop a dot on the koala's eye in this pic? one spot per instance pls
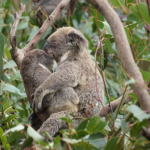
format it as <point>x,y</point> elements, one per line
<point>71,40</point>
<point>54,43</point>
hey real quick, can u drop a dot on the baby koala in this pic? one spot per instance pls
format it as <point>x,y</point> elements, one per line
<point>36,68</point>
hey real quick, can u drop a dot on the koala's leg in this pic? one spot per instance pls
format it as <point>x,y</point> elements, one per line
<point>53,124</point>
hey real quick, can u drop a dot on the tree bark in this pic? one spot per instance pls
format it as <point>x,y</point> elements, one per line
<point>124,51</point>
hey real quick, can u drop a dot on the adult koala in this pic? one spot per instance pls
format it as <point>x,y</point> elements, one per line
<point>75,69</point>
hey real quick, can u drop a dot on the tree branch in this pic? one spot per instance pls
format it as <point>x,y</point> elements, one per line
<point>48,22</point>
<point>18,54</point>
<point>115,104</point>
<point>124,51</point>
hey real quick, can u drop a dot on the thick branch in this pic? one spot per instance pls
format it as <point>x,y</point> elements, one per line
<point>16,54</point>
<point>124,51</point>
<point>115,104</point>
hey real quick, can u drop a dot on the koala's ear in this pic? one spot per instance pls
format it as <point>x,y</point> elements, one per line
<point>76,38</point>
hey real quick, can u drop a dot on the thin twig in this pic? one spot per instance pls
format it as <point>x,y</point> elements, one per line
<point>97,85</point>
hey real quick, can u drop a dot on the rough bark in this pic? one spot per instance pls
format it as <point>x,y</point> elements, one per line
<point>124,51</point>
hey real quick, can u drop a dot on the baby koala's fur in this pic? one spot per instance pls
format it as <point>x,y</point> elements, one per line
<point>36,68</point>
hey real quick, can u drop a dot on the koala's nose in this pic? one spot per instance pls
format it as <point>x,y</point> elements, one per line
<point>46,46</point>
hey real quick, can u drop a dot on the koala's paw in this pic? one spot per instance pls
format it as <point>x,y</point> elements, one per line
<point>37,102</point>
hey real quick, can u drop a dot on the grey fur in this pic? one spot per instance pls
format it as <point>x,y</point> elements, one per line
<point>76,70</point>
<point>36,67</point>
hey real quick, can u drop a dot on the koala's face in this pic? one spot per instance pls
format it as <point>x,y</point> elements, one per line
<point>65,40</point>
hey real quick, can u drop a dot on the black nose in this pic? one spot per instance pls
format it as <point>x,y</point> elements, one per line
<point>46,46</point>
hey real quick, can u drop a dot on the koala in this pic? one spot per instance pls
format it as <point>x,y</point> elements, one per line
<point>76,70</point>
<point>36,68</point>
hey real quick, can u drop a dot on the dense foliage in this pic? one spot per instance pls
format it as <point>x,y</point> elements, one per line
<point>119,130</point>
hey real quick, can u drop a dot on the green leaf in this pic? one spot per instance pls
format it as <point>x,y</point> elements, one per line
<point>82,125</point>
<point>27,143</point>
<point>10,64</point>
<point>146,75</point>
<point>35,135</point>
<point>137,127</point>
<point>114,144</point>
<point>33,21</point>
<point>78,13</point>
<point>117,2</point>
<point>22,25</point>
<point>98,140</point>
<point>123,125</point>
<point>138,113</point>
<point>141,10</point>
<point>1,54</point>
<point>33,32</point>
<point>16,76</point>
<point>14,129</point>
<point>108,46</point>
<point>83,146</point>
<point>12,89</point>
<point>13,136</point>
<point>144,12</point>
<point>128,34</point>
<point>131,26</point>
<point>96,124</point>
<point>57,144</point>
<point>107,27</point>
<point>128,2</point>
<point>79,144</point>
<point>97,20</point>
<point>82,133</point>
<point>3,139</point>
<point>10,117</point>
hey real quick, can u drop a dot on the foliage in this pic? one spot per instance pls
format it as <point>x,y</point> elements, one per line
<point>95,133</point>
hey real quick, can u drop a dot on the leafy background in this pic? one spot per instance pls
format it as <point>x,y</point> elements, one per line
<point>97,132</point>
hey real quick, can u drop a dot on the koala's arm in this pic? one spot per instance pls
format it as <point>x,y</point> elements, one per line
<point>67,75</point>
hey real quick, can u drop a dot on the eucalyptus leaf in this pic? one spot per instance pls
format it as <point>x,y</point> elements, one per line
<point>1,53</point>
<point>34,134</point>
<point>117,2</point>
<point>10,64</point>
<point>12,89</point>
<point>98,140</point>
<point>138,113</point>
<point>114,144</point>
<point>96,124</point>
<point>22,25</point>
<point>19,127</point>
<point>141,10</point>
<point>27,143</point>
